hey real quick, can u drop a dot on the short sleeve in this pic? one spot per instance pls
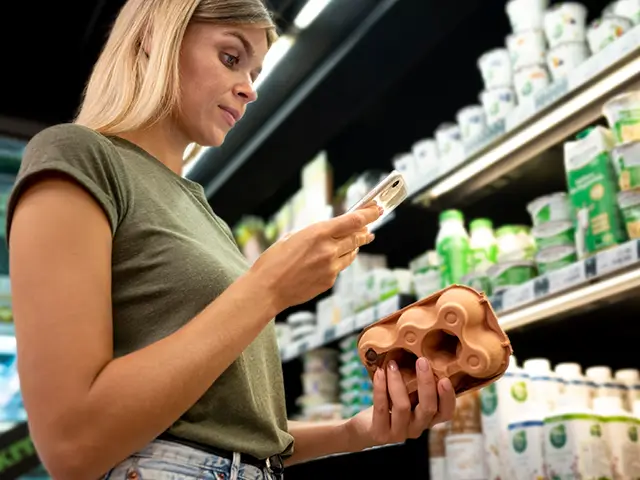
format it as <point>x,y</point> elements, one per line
<point>80,153</point>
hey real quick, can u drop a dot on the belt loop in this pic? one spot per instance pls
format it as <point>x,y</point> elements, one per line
<point>235,467</point>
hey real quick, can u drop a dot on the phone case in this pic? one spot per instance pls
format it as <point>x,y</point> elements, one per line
<point>388,194</point>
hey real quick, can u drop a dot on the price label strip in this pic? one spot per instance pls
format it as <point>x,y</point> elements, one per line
<point>617,258</point>
<point>519,295</point>
<point>567,277</point>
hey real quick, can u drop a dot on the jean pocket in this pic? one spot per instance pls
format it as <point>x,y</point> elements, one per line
<point>140,468</point>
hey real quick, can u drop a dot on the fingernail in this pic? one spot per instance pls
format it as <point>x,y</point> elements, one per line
<point>380,374</point>
<point>380,210</point>
<point>371,237</point>
<point>446,385</point>
<point>423,364</point>
<point>393,366</point>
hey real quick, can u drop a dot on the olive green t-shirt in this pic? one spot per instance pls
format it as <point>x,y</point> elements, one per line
<point>171,257</point>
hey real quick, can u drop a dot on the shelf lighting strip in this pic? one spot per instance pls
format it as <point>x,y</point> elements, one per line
<point>574,299</point>
<point>559,114</point>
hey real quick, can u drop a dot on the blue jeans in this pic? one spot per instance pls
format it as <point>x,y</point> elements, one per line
<point>162,460</point>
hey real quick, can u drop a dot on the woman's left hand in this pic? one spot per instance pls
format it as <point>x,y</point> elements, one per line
<point>381,425</point>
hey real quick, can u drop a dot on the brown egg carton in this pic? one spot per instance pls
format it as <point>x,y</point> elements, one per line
<point>456,329</point>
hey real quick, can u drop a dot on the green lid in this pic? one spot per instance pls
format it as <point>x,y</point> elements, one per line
<point>506,230</point>
<point>480,223</point>
<point>451,215</point>
<point>584,132</point>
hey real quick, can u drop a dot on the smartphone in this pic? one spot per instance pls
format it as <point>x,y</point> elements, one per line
<point>388,194</point>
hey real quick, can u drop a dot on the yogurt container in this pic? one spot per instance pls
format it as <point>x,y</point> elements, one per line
<point>557,257</point>
<point>553,234</point>
<point>425,157</point>
<point>625,8</point>
<point>629,203</point>
<point>472,121</point>
<point>509,274</point>
<point>495,67</point>
<point>478,281</point>
<point>497,103</point>
<point>606,30</point>
<point>550,208</point>
<point>526,14</point>
<point>526,48</point>
<point>565,23</point>
<point>623,116</point>
<point>515,243</point>
<point>530,79</point>
<point>626,160</point>
<point>565,57</point>
<point>448,139</point>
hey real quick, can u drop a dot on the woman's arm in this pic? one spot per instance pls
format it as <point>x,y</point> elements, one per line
<point>318,439</point>
<point>88,411</point>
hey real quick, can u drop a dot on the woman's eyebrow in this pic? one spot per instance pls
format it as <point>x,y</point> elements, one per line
<point>245,43</point>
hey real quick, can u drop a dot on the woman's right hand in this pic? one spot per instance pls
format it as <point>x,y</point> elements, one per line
<point>300,266</point>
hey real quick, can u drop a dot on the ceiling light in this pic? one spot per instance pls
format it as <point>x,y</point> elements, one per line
<point>309,12</point>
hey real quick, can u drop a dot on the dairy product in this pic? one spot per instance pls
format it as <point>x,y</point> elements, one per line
<point>574,383</point>
<point>437,453</point>
<point>530,79</point>
<point>629,203</point>
<point>564,23</point>
<point>495,67</point>
<point>426,274</point>
<point>545,384</point>
<point>574,446</point>
<point>623,116</point>
<point>526,448</point>
<point>550,208</point>
<point>606,30</point>
<point>497,103</point>
<point>626,160</point>
<point>484,248</point>
<point>502,402</point>
<point>526,48</point>
<point>526,14</point>
<point>606,385</point>
<point>464,444</point>
<point>630,378</point>
<point>452,245</point>
<point>508,274</point>
<point>554,234</point>
<point>620,431</point>
<point>626,8</point>
<point>593,191</point>
<point>514,243</point>
<point>449,141</point>
<point>555,258</point>
<point>472,122</point>
<point>565,57</point>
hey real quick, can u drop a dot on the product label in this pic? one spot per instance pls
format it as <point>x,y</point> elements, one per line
<point>437,469</point>
<point>454,255</point>
<point>627,126</point>
<point>621,434</point>
<point>483,258</point>
<point>575,448</point>
<point>525,452</point>
<point>465,457</point>
<point>593,191</point>
<point>627,161</point>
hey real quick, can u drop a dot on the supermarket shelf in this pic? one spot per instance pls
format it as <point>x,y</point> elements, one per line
<point>554,114</point>
<point>607,275</point>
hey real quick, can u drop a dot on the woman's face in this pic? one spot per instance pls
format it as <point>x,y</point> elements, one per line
<point>218,65</point>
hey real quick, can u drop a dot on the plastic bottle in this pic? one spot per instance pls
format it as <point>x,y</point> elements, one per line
<point>574,446</point>
<point>620,431</point>
<point>605,385</point>
<point>545,384</point>
<point>437,456</point>
<point>526,440</point>
<point>630,377</point>
<point>484,249</point>
<point>452,245</point>
<point>574,383</point>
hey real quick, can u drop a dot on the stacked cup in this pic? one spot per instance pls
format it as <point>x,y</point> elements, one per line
<point>498,97</point>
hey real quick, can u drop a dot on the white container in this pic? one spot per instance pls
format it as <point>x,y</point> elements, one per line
<point>574,383</point>
<point>565,57</point>
<point>626,8</point>
<point>630,377</point>
<point>526,48</point>
<point>606,385</point>
<point>620,431</point>
<point>449,141</point>
<point>472,122</point>
<point>497,103</point>
<point>606,30</point>
<point>565,22</point>
<point>495,67</point>
<point>526,14</point>
<point>526,440</point>
<point>530,79</point>
<point>405,163</point>
<point>545,384</point>
<point>623,117</point>
<point>425,154</point>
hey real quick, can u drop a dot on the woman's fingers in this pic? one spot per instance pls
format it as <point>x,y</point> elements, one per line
<point>427,407</point>
<point>381,418</point>
<point>401,405</point>
<point>446,402</point>
<point>352,242</point>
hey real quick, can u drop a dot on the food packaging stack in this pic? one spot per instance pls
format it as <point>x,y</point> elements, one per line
<point>356,388</point>
<point>319,400</point>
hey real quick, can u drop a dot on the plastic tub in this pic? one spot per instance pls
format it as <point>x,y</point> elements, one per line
<point>554,258</point>
<point>526,14</point>
<point>553,234</point>
<point>565,23</point>
<point>495,67</point>
<point>448,139</point>
<point>625,8</point>
<point>623,116</point>
<point>626,158</point>
<point>514,243</point>
<point>497,103</point>
<point>526,48</point>
<point>565,57</point>
<point>530,79</point>
<point>607,30</point>
<point>509,274</point>
<point>629,203</point>
<point>472,121</point>
<point>549,208</point>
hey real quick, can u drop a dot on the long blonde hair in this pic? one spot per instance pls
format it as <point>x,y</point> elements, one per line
<point>129,89</point>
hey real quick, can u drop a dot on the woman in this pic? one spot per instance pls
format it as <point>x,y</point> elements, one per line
<point>145,341</point>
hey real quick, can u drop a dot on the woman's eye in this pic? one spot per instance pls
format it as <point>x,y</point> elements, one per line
<point>230,60</point>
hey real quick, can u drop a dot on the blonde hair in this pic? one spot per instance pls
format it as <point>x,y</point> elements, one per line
<point>129,89</point>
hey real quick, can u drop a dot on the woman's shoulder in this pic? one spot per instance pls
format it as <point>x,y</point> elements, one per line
<point>68,137</point>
